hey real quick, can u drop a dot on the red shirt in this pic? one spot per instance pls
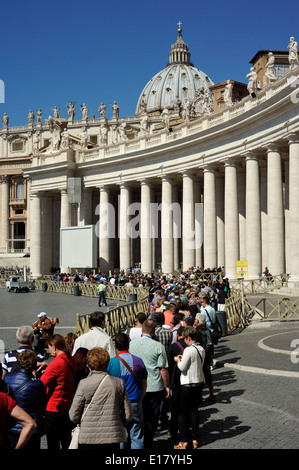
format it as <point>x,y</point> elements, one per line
<point>58,379</point>
<point>168,316</point>
<point>7,404</point>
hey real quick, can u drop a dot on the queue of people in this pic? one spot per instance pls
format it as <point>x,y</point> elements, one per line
<point>159,367</point>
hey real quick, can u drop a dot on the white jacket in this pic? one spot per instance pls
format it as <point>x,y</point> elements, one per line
<point>191,365</point>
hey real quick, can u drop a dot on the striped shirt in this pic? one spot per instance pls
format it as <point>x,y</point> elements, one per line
<point>10,358</point>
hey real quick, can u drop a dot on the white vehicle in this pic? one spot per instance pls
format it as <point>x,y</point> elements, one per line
<point>17,284</point>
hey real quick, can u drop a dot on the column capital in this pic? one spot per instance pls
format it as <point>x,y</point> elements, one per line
<point>292,137</point>
<point>4,179</point>
<point>166,178</point>
<point>249,155</point>
<point>208,169</point>
<point>186,173</point>
<point>271,147</point>
<point>230,162</point>
<point>144,181</point>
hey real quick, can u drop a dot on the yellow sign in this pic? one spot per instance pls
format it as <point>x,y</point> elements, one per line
<point>242,269</point>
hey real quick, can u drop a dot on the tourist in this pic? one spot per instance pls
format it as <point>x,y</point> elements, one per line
<point>58,378</point>
<point>192,379</point>
<point>96,337</point>
<point>132,370</point>
<point>103,425</point>
<point>82,370</point>
<point>205,340</point>
<point>30,395</point>
<point>154,357</point>
<point>136,332</point>
<point>10,409</point>
<point>70,339</point>
<point>25,339</point>
<point>102,293</point>
<point>176,349</point>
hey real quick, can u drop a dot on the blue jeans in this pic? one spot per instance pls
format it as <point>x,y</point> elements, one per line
<point>135,428</point>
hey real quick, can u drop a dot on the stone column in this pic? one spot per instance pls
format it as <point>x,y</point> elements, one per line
<point>242,212</point>
<point>264,216</point>
<point>124,238</point>
<point>105,230</point>
<point>253,216</point>
<point>65,218</point>
<point>294,205</point>
<point>4,211</point>
<point>198,225</point>
<point>177,231</point>
<point>288,254</point>
<point>188,224</point>
<point>28,209</point>
<point>167,226</point>
<point>231,220</point>
<point>145,228</point>
<point>220,197</point>
<point>210,225</point>
<point>65,211</point>
<point>35,237</point>
<point>275,217</point>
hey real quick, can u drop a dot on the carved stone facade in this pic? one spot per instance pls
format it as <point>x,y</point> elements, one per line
<point>230,171</point>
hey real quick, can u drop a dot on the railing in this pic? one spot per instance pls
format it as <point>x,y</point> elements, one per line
<point>118,319</point>
<point>260,285</point>
<point>240,311</point>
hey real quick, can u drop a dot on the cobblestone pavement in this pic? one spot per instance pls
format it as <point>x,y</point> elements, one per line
<point>256,377</point>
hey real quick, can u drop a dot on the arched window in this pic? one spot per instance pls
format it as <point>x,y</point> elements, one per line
<point>20,190</point>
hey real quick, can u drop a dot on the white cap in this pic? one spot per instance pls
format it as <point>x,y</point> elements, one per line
<point>42,314</point>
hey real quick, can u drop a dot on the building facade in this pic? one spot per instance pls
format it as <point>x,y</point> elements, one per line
<point>185,182</point>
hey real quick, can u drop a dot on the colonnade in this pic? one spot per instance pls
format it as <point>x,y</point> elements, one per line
<point>249,211</point>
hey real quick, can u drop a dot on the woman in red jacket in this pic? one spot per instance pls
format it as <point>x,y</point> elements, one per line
<point>58,379</point>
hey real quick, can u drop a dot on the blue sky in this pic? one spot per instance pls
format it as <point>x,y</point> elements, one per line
<point>90,51</point>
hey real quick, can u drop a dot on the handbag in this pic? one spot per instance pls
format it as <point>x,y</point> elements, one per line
<point>129,369</point>
<point>217,333</point>
<point>76,431</point>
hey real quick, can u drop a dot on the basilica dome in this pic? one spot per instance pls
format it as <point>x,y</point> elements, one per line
<point>180,79</point>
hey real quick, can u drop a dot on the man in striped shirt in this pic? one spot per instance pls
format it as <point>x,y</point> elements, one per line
<point>25,336</point>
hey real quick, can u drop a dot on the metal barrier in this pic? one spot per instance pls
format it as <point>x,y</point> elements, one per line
<point>118,319</point>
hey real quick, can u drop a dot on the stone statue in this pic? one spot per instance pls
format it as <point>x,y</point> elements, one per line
<point>102,110</point>
<point>252,83</point>
<point>144,124</point>
<point>114,129</point>
<point>115,109</point>
<point>269,69</point>
<point>186,110</point>
<point>65,141</point>
<point>5,120</point>
<point>84,110</point>
<point>71,110</point>
<point>56,112</point>
<point>122,131</point>
<point>35,147</point>
<point>31,118</point>
<point>84,139</point>
<point>228,93</point>
<point>207,106</point>
<point>39,116</point>
<point>177,105</point>
<point>142,106</point>
<point>103,134</point>
<point>293,54</point>
<point>55,138</point>
<point>165,117</point>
